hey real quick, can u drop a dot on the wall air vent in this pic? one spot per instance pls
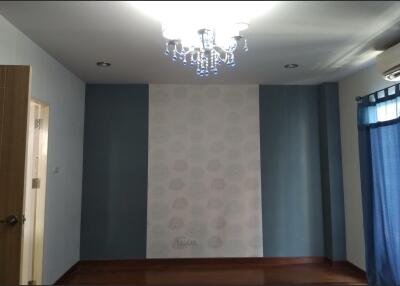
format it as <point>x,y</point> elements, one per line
<point>389,63</point>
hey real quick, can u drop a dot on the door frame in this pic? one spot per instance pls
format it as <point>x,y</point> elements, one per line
<point>40,193</point>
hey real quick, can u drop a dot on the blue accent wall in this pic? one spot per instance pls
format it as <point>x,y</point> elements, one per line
<point>302,195</point>
<point>114,202</point>
<point>290,171</point>
<point>331,172</point>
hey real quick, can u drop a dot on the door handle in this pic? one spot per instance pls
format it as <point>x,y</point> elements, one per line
<point>10,220</point>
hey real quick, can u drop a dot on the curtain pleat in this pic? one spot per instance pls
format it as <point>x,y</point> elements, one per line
<point>379,145</point>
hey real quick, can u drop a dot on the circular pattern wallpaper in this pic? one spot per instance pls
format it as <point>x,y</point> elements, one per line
<point>204,183</point>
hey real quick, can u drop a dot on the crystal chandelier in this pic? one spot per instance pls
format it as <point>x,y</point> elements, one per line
<point>204,34</point>
<point>206,53</point>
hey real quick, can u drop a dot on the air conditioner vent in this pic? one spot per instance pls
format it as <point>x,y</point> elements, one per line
<point>389,63</point>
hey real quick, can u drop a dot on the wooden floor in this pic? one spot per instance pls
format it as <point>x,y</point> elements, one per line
<point>214,273</point>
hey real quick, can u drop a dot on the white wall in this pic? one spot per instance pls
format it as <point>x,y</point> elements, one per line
<point>65,94</point>
<point>362,83</point>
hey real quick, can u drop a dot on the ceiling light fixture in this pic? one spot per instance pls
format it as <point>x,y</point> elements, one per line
<point>291,66</point>
<point>207,53</point>
<point>103,64</point>
<point>204,34</point>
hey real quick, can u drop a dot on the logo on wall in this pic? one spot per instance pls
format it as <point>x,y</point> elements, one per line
<point>182,242</point>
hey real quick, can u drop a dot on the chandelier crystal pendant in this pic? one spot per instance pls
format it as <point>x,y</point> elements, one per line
<point>204,34</point>
<point>206,51</point>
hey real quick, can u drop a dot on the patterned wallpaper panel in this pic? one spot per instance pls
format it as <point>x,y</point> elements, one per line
<point>204,191</point>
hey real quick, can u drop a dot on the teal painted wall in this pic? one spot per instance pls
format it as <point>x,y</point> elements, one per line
<point>114,202</point>
<point>302,197</point>
<point>301,175</point>
<point>331,172</point>
<point>290,171</point>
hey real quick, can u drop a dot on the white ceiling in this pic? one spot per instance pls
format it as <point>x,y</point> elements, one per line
<point>329,40</point>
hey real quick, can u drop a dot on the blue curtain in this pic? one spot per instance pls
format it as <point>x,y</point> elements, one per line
<point>379,139</point>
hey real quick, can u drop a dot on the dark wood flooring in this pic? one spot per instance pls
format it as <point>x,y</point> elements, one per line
<point>213,272</point>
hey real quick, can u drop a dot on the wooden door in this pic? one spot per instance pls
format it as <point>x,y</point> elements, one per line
<point>14,107</point>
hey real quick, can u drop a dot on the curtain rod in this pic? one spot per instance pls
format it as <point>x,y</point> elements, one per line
<point>360,98</point>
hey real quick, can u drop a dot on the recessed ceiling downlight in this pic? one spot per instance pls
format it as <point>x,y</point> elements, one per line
<point>103,64</point>
<point>291,66</point>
